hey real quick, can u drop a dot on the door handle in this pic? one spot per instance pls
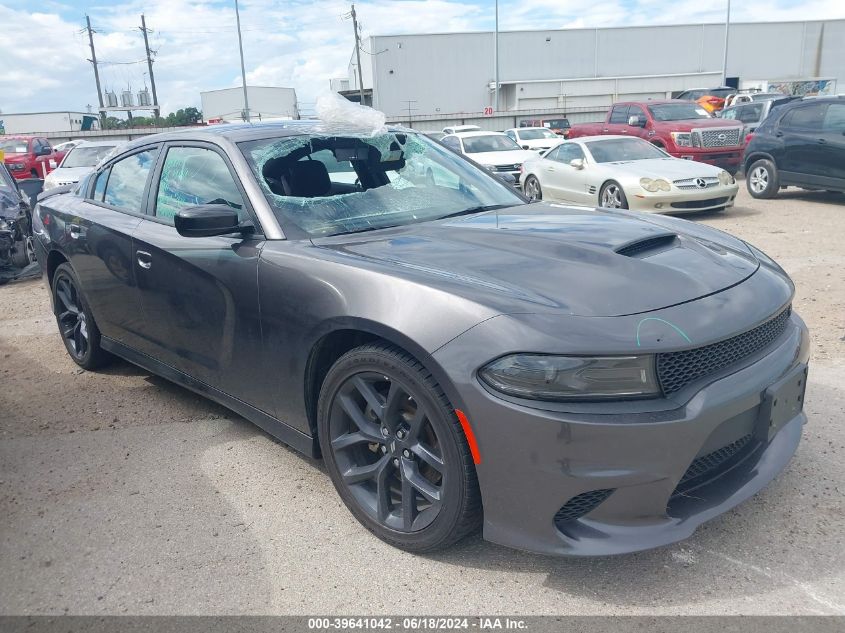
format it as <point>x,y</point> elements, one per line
<point>74,231</point>
<point>605,130</point>
<point>822,141</point>
<point>145,260</point>
<point>778,133</point>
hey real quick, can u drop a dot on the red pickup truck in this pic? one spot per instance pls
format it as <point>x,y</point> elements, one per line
<point>28,156</point>
<point>681,128</point>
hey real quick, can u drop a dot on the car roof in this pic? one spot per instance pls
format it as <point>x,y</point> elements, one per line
<point>238,132</point>
<point>532,127</point>
<point>477,133</point>
<point>101,143</point>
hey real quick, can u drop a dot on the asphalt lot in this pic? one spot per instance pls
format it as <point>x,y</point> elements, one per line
<point>121,493</point>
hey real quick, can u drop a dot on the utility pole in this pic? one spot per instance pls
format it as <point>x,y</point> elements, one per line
<point>496,62</point>
<point>727,31</point>
<point>156,112</point>
<point>243,70</point>
<point>93,60</point>
<point>358,55</point>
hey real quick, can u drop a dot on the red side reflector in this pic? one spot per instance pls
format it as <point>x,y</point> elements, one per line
<point>473,445</point>
<point>748,137</point>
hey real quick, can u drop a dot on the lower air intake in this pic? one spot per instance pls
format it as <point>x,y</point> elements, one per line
<point>580,505</point>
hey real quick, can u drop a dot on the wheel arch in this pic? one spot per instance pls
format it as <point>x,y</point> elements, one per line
<point>55,259</point>
<point>338,337</point>
<point>758,155</point>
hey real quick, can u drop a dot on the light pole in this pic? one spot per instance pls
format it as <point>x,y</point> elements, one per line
<point>243,70</point>
<point>496,61</point>
<point>727,31</point>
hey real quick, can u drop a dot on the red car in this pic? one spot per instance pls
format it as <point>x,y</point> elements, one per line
<point>681,128</point>
<point>28,156</point>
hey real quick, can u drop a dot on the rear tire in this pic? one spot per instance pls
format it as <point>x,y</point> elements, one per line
<point>24,254</point>
<point>77,327</point>
<point>395,450</point>
<point>612,196</point>
<point>762,179</point>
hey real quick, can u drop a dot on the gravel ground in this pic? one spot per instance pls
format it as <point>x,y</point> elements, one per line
<point>121,493</point>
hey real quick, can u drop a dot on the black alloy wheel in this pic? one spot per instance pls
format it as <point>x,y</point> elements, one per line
<point>395,451</point>
<point>76,325</point>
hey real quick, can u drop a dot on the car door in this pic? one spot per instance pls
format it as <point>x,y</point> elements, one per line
<point>97,239</point>
<point>833,134</point>
<point>617,122</point>
<point>559,179</point>
<point>199,295</point>
<point>804,150</point>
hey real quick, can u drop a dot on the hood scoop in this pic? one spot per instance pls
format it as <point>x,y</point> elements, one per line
<point>648,246</point>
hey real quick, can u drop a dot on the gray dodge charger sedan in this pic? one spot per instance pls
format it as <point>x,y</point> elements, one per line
<point>578,381</point>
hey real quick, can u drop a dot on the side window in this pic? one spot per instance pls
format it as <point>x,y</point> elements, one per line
<point>619,114</point>
<point>192,176</point>
<point>805,118</point>
<point>452,142</point>
<point>553,153</point>
<point>100,186</point>
<point>834,118</point>
<point>125,187</point>
<point>635,110</point>
<point>568,152</point>
<point>729,113</point>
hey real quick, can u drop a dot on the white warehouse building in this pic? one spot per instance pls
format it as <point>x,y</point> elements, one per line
<point>265,102</point>
<point>446,76</point>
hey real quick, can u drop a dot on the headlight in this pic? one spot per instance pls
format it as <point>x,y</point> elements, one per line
<point>725,178</point>
<point>3,224</point>
<point>49,183</point>
<point>540,377</point>
<point>655,185</point>
<point>682,139</point>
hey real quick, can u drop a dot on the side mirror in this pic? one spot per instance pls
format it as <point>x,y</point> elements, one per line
<point>577,163</point>
<point>635,121</point>
<point>45,151</point>
<point>526,147</point>
<point>206,220</point>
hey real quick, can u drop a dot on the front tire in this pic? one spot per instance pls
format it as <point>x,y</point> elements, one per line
<point>76,324</point>
<point>395,450</point>
<point>24,253</point>
<point>612,196</point>
<point>762,180</point>
<point>532,189</point>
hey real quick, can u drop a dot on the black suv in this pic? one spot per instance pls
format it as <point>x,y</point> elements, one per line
<point>801,144</point>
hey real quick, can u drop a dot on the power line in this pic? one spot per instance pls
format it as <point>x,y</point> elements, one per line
<point>93,61</point>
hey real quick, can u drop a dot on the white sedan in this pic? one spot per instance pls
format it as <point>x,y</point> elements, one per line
<point>621,172</point>
<point>498,152</point>
<point>536,138</point>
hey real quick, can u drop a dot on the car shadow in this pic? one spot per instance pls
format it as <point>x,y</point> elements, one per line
<point>818,197</point>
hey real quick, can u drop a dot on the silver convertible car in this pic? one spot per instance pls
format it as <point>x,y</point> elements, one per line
<point>576,380</point>
<point>620,172</point>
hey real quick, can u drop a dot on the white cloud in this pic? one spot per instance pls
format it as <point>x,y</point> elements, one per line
<point>296,43</point>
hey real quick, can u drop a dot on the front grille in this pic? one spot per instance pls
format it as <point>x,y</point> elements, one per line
<point>716,137</point>
<point>580,505</point>
<point>675,370</point>
<point>698,204</point>
<point>696,183</point>
<point>506,167</point>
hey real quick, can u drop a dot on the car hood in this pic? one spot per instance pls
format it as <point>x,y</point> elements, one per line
<point>669,168</point>
<point>691,124</point>
<point>541,143</point>
<point>509,157</point>
<point>545,257</point>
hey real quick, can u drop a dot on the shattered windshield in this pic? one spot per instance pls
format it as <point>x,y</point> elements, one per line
<point>322,185</point>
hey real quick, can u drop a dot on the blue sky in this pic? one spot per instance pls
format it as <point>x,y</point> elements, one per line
<point>287,43</point>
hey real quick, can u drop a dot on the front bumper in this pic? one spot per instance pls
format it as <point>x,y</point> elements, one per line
<point>534,462</point>
<point>729,160</point>
<point>683,201</point>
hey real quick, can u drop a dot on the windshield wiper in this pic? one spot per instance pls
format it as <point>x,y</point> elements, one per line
<point>471,210</point>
